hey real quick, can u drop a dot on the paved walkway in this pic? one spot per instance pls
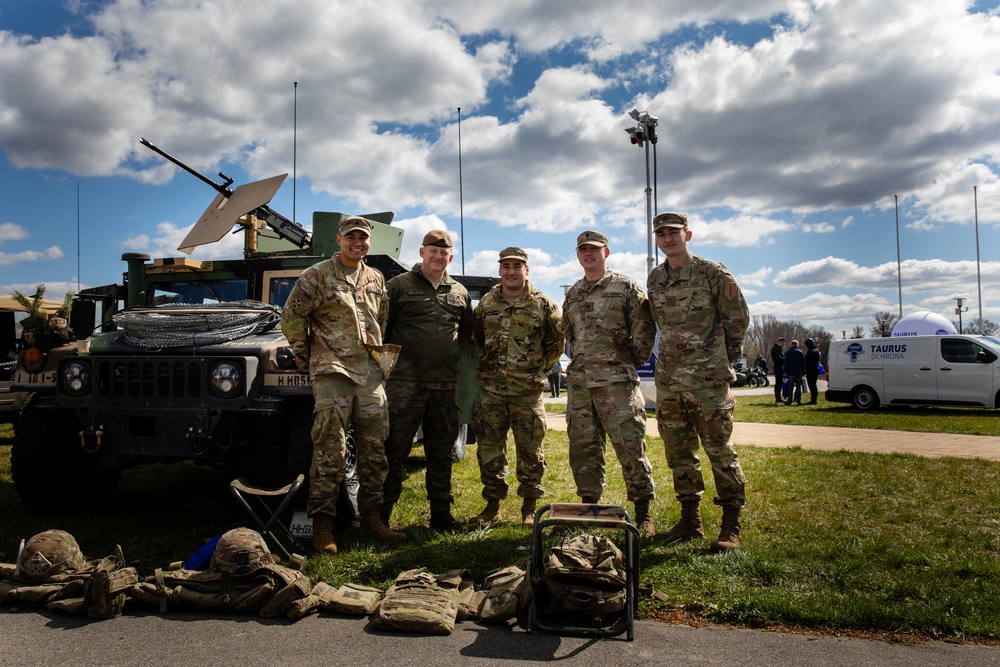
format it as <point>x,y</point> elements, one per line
<point>829,438</point>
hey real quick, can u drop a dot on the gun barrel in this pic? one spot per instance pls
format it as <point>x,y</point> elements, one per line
<point>224,189</point>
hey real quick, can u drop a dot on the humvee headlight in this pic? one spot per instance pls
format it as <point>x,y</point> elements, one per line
<point>285,358</point>
<point>75,378</point>
<point>226,380</point>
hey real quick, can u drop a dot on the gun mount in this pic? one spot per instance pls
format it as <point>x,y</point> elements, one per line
<point>230,206</point>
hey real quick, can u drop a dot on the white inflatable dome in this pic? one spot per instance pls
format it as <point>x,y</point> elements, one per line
<point>923,323</point>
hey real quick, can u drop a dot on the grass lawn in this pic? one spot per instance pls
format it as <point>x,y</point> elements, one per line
<point>833,542</point>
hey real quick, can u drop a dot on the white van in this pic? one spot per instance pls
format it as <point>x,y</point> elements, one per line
<point>951,369</point>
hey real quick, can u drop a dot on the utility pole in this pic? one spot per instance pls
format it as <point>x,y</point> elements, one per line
<point>899,270</point>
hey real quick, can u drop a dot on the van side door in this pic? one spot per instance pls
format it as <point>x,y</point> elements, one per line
<point>908,368</point>
<point>965,372</point>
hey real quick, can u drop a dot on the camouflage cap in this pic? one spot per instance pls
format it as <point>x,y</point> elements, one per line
<point>49,553</point>
<point>240,551</point>
<point>437,237</point>
<point>352,222</point>
<point>672,220</point>
<point>592,238</point>
<point>513,253</point>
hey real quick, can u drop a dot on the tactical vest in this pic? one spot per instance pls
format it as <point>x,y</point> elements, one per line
<point>425,603</point>
<point>269,590</point>
<point>99,588</point>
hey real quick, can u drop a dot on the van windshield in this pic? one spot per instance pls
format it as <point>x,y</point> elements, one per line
<point>992,343</point>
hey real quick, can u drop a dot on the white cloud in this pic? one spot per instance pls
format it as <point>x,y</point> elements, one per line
<point>917,276</point>
<point>49,254</point>
<point>819,228</point>
<point>12,232</point>
<point>169,236</point>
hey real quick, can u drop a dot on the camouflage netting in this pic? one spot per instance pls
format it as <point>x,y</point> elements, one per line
<point>188,325</point>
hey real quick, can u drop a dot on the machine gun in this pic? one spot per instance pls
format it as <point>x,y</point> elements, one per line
<point>229,206</point>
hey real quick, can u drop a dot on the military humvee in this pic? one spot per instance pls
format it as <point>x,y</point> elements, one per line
<point>187,363</point>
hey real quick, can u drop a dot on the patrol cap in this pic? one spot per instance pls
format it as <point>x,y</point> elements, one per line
<point>437,237</point>
<point>671,220</point>
<point>513,253</point>
<point>592,238</point>
<point>352,222</point>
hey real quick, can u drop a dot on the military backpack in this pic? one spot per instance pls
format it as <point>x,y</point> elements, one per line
<point>583,581</point>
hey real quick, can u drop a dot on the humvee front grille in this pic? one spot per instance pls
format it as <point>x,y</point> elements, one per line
<point>159,378</point>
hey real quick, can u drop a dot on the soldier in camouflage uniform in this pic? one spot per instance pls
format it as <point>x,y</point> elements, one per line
<point>518,337</point>
<point>430,316</point>
<point>610,331</point>
<point>333,320</point>
<point>702,318</point>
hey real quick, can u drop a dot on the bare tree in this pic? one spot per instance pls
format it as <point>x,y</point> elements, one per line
<point>765,329</point>
<point>882,323</point>
<point>982,327</point>
<point>857,332</point>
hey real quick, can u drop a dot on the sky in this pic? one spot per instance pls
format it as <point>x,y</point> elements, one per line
<point>834,155</point>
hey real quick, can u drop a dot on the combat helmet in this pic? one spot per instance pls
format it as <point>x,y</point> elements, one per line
<point>240,551</point>
<point>49,553</point>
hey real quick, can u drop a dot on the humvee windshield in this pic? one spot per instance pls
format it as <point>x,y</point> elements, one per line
<point>200,291</point>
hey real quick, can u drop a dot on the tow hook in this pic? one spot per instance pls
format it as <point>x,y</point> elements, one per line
<point>90,439</point>
<point>199,440</point>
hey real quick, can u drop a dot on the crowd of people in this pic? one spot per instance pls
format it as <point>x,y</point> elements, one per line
<point>383,358</point>
<point>793,368</point>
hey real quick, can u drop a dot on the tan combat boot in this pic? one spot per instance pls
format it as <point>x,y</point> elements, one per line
<point>491,514</point>
<point>688,528</point>
<point>729,536</point>
<point>323,534</point>
<point>643,521</point>
<point>528,507</point>
<point>372,524</point>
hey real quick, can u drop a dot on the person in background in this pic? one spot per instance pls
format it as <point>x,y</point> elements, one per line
<point>795,369</point>
<point>555,375</point>
<point>778,361</point>
<point>812,370</point>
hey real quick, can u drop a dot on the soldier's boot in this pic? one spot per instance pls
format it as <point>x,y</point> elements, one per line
<point>441,518</point>
<point>528,507</point>
<point>643,520</point>
<point>688,528</point>
<point>590,500</point>
<point>323,534</point>
<point>729,536</point>
<point>385,512</point>
<point>372,524</point>
<point>489,515</point>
